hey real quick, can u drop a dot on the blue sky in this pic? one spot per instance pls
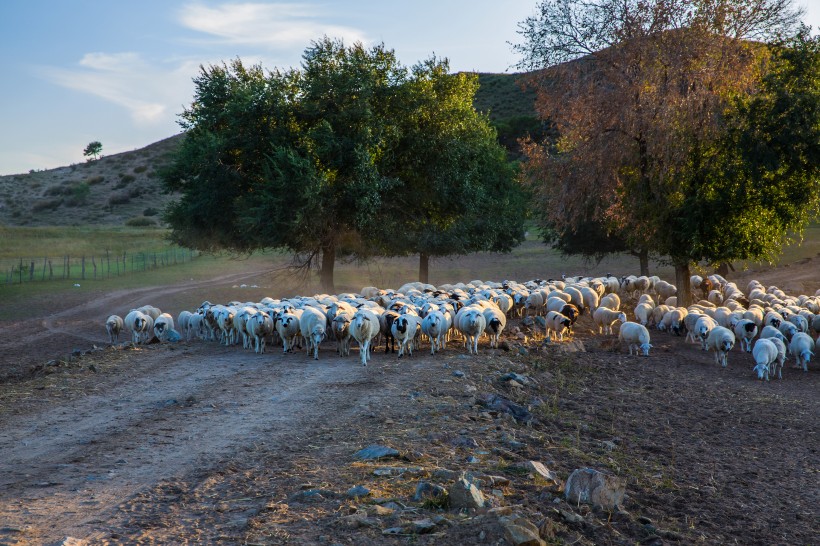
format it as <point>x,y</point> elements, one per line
<point>120,72</point>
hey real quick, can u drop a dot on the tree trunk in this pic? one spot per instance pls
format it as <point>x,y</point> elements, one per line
<point>326,271</point>
<point>424,268</point>
<point>643,257</point>
<point>682,283</point>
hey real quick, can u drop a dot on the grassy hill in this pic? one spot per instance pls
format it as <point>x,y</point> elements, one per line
<point>120,189</point>
<point>124,189</point>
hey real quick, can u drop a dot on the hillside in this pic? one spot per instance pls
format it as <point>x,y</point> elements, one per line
<point>125,188</point>
<point>112,190</point>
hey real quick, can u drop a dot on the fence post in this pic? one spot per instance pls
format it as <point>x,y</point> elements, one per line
<point>45,261</point>
<point>94,265</point>
<point>31,271</point>
<point>21,271</point>
<point>50,271</point>
<point>68,266</point>
<point>108,261</point>
<point>82,268</point>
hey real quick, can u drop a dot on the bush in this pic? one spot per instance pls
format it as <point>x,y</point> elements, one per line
<point>46,204</point>
<point>140,221</point>
<point>135,192</point>
<point>127,178</point>
<point>78,194</point>
<point>95,180</point>
<point>140,169</point>
<point>150,211</point>
<point>119,199</point>
<point>53,191</point>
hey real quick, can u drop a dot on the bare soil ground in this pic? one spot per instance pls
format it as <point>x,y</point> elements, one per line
<point>195,443</point>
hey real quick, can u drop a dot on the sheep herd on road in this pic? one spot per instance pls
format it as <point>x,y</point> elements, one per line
<point>768,323</point>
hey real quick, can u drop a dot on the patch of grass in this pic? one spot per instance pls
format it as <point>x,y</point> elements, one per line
<point>140,169</point>
<point>46,204</point>
<point>93,180</point>
<point>140,221</point>
<point>150,211</point>
<point>119,199</point>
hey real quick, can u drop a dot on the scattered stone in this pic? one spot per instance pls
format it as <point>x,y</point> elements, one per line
<point>465,495</point>
<point>394,531</point>
<point>465,441</point>
<point>379,510</point>
<point>608,445</point>
<point>538,469</point>
<point>501,404</point>
<point>495,480</point>
<point>375,452</point>
<point>586,485</point>
<point>570,516</point>
<point>358,492</point>
<point>398,470</point>
<point>445,475</point>
<point>70,541</point>
<point>427,490</point>
<point>359,519</point>
<point>523,351</point>
<point>574,346</point>
<point>504,345</point>
<point>423,526</point>
<point>512,376</point>
<point>644,520</point>
<point>515,384</point>
<point>459,373</point>
<point>520,531</point>
<point>473,460</point>
<point>312,496</point>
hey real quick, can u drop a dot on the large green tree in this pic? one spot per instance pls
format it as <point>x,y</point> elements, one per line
<point>455,192</point>
<point>641,97</point>
<point>288,159</point>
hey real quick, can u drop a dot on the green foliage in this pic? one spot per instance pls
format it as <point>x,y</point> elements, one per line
<point>140,169</point>
<point>93,150</point>
<point>309,160</point>
<point>150,211</point>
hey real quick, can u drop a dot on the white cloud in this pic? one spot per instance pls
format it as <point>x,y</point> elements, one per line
<point>151,94</point>
<point>279,25</point>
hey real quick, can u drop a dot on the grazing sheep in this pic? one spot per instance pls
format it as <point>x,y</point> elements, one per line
<point>183,320</point>
<point>140,325</point>
<point>800,348</point>
<point>605,318</point>
<point>312,325</point>
<point>642,313</point>
<point>788,329</point>
<point>772,319</point>
<point>765,354</point>
<point>163,325</point>
<point>721,340</point>
<point>287,326</point>
<point>746,330</point>
<point>114,325</point>
<point>556,323</point>
<point>363,328</point>
<point>635,336</point>
<point>196,326</point>
<point>590,298</point>
<point>676,321</point>
<point>611,301</point>
<point>769,332</point>
<point>800,322</point>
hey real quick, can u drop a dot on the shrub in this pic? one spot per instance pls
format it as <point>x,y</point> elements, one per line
<point>140,169</point>
<point>135,192</point>
<point>95,180</point>
<point>78,194</point>
<point>150,211</point>
<point>119,199</point>
<point>46,204</point>
<point>127,178</point>
<point>140,221</point>
<point>53,191</point>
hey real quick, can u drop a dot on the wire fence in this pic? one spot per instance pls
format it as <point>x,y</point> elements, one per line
<point>94,267</point>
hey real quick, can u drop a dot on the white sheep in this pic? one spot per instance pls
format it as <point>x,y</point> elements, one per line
<point>788,329</point>
<point>611,301</point>
<point>642,313</point>
<point>591,298</point>
<point>635,336</point>
<point>259,326</point>
<point>140,325</point>
<point>769,332</point>
<point>163,325</point>
<point>404,330</point>
<point>556,325</point>
<point>703,326</point>
<point>196,326</point>
<point>800,322</point>
<point>312,324</point>
<point>287,326</point>
<point>114,325</point>
<point>800,348</point>
<point>745,330</point>
<point>765,354</point>
<point>471,323</point>
<point>363,328</point>
<point>605,318</point>
<point>434,326</point>
<point>340,326</point>
<point>721,340</point>
<point>183,320</point>
<point>496,322</point>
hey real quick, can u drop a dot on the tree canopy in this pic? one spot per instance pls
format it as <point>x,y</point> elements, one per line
<point>321,161</point>
<point>93,149</point>
<point>645,119</point>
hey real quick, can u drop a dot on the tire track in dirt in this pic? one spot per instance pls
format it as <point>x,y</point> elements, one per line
<point>69,466</point>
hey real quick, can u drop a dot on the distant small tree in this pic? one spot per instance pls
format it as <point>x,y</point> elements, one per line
<point>93,149</point>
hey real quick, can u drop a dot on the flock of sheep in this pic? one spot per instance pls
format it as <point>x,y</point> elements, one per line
<point>779,323</point>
